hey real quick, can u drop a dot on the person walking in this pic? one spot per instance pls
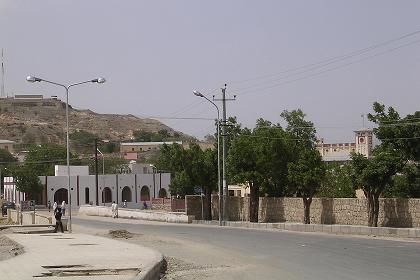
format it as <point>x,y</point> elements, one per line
<point>55,207</point>
<point>49,206</point>
<point>58,222</point>
<point>63,207</point>
<point>114,210</point>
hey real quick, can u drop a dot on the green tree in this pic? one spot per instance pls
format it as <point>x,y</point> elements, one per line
<point>113,165</point>
<point>305,176</point>
<point>42,158</point>
<point>374,176</point>
<point>6,157</point>
<point>337,182</point>
<point>242,164</point>
<point>190,168</point>
<point>27,181</point>
<point>258,159</point>
<point>402,134</point>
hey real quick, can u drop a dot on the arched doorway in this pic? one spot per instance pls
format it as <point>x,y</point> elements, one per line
<point>106,195</point>
<point>126,194</point>
<point>162,193</point>
<point>145,193</point>
<point>61,195</point>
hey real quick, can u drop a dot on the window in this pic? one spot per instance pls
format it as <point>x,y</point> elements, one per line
<point>132,149</point>
<point>231,193</point>
<point>87,195</point>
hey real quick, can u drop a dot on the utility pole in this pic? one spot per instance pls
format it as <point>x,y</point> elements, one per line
<point>96,172</point>
<point>224,135</point>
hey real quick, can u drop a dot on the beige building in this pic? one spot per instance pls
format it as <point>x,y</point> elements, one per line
<point>144,146</point>
<point>341,152</point>
<point>239,190</point>
<point>7,145</point>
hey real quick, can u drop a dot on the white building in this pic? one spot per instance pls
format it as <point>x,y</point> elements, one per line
<point>132,188</point>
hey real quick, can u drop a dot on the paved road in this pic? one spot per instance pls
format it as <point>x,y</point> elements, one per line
<point>285,255</point>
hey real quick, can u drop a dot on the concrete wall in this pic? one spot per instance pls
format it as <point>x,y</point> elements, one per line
<point>136,214</point>
<point>345,211</point>
<point>28,218</point>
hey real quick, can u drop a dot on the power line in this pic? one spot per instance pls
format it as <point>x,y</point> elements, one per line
<point>300,139</point>
<point>327,70</point>
<point>334,59</point>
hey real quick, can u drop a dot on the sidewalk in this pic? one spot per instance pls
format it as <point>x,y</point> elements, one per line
<point>52,256</point>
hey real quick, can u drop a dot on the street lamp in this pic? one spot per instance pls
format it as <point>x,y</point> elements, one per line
<point>33,79</point>
<point>199,94</point>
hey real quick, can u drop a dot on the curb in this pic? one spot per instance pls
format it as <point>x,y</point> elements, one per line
<point>321,228</point>
<point>152,272</point>
<point>25,226</point>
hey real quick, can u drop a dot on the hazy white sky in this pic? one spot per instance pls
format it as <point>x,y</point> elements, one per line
<point>155,53</point>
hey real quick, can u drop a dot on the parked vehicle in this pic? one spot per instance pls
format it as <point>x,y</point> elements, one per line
<point>7,205</point>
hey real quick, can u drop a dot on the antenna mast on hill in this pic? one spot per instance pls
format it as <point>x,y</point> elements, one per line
<point>3,95</point>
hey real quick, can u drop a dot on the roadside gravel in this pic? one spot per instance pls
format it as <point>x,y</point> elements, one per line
<point>9,248</point>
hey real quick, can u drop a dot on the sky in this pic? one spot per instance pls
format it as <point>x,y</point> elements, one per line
<point>330,58</point>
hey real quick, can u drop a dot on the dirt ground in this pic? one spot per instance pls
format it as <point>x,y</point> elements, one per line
<point>177,267</point>
<point>8,248</point>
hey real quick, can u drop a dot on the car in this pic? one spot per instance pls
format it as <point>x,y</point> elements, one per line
<point>7,205</point>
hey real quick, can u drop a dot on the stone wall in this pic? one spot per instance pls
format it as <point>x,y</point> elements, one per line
<point>393,212</point>
<point>193,205</point>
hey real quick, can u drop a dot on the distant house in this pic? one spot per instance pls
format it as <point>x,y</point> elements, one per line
<point>131,150</point>
<point>7,145</point>
<point>341,152</point>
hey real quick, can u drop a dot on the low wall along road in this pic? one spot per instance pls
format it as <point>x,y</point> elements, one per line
<point>150,215</point>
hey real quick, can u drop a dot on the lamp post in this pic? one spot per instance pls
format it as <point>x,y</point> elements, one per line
<point>219,186</point>
<point>33,79</point>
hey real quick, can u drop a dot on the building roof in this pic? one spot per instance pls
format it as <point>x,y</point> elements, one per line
<point>7,142</point>
<point>151,143</point>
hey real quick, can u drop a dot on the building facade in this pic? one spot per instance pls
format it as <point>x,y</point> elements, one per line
<point>134,189</point>
<point>341,152</point>
<point>7,145</point>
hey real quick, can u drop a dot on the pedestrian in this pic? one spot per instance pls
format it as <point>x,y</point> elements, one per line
<point>114,210</point>
<point>58,222</point>
<point>125,204</point>
<point>54,207</point>
<point>144,205</point>
<point>63,207</point>
<point>49,206</point>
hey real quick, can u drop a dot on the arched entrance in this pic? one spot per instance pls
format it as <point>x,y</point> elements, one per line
<point>106,195</point>
<point>162,193</point>
<point>145,193</point>
<point>126,194</point>
<point>61,195</point>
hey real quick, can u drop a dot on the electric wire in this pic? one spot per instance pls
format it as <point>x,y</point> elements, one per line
<point>334,59</point>
<point>250,90</point>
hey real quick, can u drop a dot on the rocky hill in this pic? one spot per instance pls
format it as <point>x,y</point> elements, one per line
<point>38,120</point>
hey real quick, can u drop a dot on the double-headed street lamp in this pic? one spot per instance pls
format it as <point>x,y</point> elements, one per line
<point>219,186</point>
<point>33,79</point>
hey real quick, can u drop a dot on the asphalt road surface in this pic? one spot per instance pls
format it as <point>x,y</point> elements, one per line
<point>234,253</point>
